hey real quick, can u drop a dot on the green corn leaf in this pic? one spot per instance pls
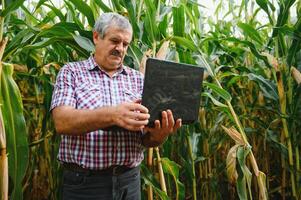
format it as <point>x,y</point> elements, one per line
<point>250,32</point>
<point>39,4</point>
<point>43,43</point>
<point>84,43</point>
<point>18,42</point>
<point>164,12</point>
<point>214,101</point>
<point>103,6</point>
<point>267,87</point>
<point>149,179</point>
<point>57,12</point>
<point>116,5</point>
<point>67,41</point>
<point>219,91</point>
<point>10,5</point>
<point>252,48</point>
<point>29,15</point>
<point>273,140</point>
<point>184,42</point>
<point>244,174</point>
<point>263,4</point>
<point>296,44</point>
<point>15,128</point>
<point>132,17</point>
<point>72,14</point>
<point>172,168</point>
<point>150,21</point>
<point>135,52</point>
<point>194,141</point>
<point>64,29</point>
<point>178,21</point>
<point>85,10</point>
<point>283,15</point>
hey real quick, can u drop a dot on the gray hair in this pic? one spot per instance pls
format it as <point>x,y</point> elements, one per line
<point>110,19</point>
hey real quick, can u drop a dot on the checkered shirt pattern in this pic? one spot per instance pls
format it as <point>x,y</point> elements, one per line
<point>83,85</point>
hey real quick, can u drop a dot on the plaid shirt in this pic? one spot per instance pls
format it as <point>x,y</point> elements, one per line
<point>83,85</point>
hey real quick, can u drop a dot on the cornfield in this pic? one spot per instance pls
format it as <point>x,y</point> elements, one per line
<point>246,144</point>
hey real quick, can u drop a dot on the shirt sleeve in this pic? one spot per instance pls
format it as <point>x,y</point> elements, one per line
<point>64,89</point>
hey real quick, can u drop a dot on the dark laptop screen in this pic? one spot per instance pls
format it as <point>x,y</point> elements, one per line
<point>174,86</point>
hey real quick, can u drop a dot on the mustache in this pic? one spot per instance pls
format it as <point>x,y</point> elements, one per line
<point>116,53</point>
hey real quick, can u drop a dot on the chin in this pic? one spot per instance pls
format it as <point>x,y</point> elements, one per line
<point>116,63</point>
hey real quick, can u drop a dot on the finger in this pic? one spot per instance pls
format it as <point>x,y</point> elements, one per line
<point>138,116</point>
<point>134,122</point>
<point>164,120</point>
<point>157,124</point>
<point>137,107</point>
<point>171,121</point>
<point>178,124</point>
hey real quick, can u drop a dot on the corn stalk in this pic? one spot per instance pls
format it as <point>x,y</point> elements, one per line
<point>258,174</point>
<point>194,185</point>
<point>3,154</point>
<point>3,157</point>
<point>287,139</point>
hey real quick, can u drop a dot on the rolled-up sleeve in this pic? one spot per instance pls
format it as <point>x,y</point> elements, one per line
<point>64,89</point>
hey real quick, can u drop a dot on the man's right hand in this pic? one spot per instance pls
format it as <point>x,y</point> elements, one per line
<point>131,116</point>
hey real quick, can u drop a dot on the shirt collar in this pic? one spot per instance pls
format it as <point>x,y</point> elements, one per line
<point>93,65</point>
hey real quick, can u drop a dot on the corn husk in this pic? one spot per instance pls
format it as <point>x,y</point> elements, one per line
<point>296,75</point>
<point>202,117</point>
<point>235,135</point>
<point>260,99</point>
<point>20,68</point>
<point>146,54</point>
<point>272,60</point>
<point>161,54</point>
<point>2,46</point>
<point>205,76</point>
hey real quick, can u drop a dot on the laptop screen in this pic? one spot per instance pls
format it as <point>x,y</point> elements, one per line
<point>174,86</point>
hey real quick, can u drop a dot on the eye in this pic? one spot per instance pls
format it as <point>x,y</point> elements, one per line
<point>115,41</point>
<point>125,44</point>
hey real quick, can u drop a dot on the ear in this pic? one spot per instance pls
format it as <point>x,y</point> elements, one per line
<point>95,37</point>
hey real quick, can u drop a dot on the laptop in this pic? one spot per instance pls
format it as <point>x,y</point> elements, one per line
<point>174,86</point>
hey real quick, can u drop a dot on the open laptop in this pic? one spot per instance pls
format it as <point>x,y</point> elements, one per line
<point>174,86</point>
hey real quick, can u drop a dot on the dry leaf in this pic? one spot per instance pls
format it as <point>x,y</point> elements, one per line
<point>231,164</point>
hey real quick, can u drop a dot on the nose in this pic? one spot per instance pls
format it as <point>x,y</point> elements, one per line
<point>119,47</point>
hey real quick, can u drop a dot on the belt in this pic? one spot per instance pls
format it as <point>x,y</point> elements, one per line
<point>111,171</point>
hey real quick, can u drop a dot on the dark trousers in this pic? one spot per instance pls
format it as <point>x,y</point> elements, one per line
<point>85,186</point>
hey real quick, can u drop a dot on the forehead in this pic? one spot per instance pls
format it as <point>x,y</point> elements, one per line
<point>115,32</point>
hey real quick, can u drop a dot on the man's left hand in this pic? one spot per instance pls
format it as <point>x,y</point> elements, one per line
<point>157,135</point>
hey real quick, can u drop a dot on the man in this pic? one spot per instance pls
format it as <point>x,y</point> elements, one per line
<point>89,98</point>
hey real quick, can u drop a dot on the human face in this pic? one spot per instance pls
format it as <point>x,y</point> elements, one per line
<point>111,49</point>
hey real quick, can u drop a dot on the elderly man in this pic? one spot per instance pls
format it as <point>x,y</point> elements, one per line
<point>89,98</point>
